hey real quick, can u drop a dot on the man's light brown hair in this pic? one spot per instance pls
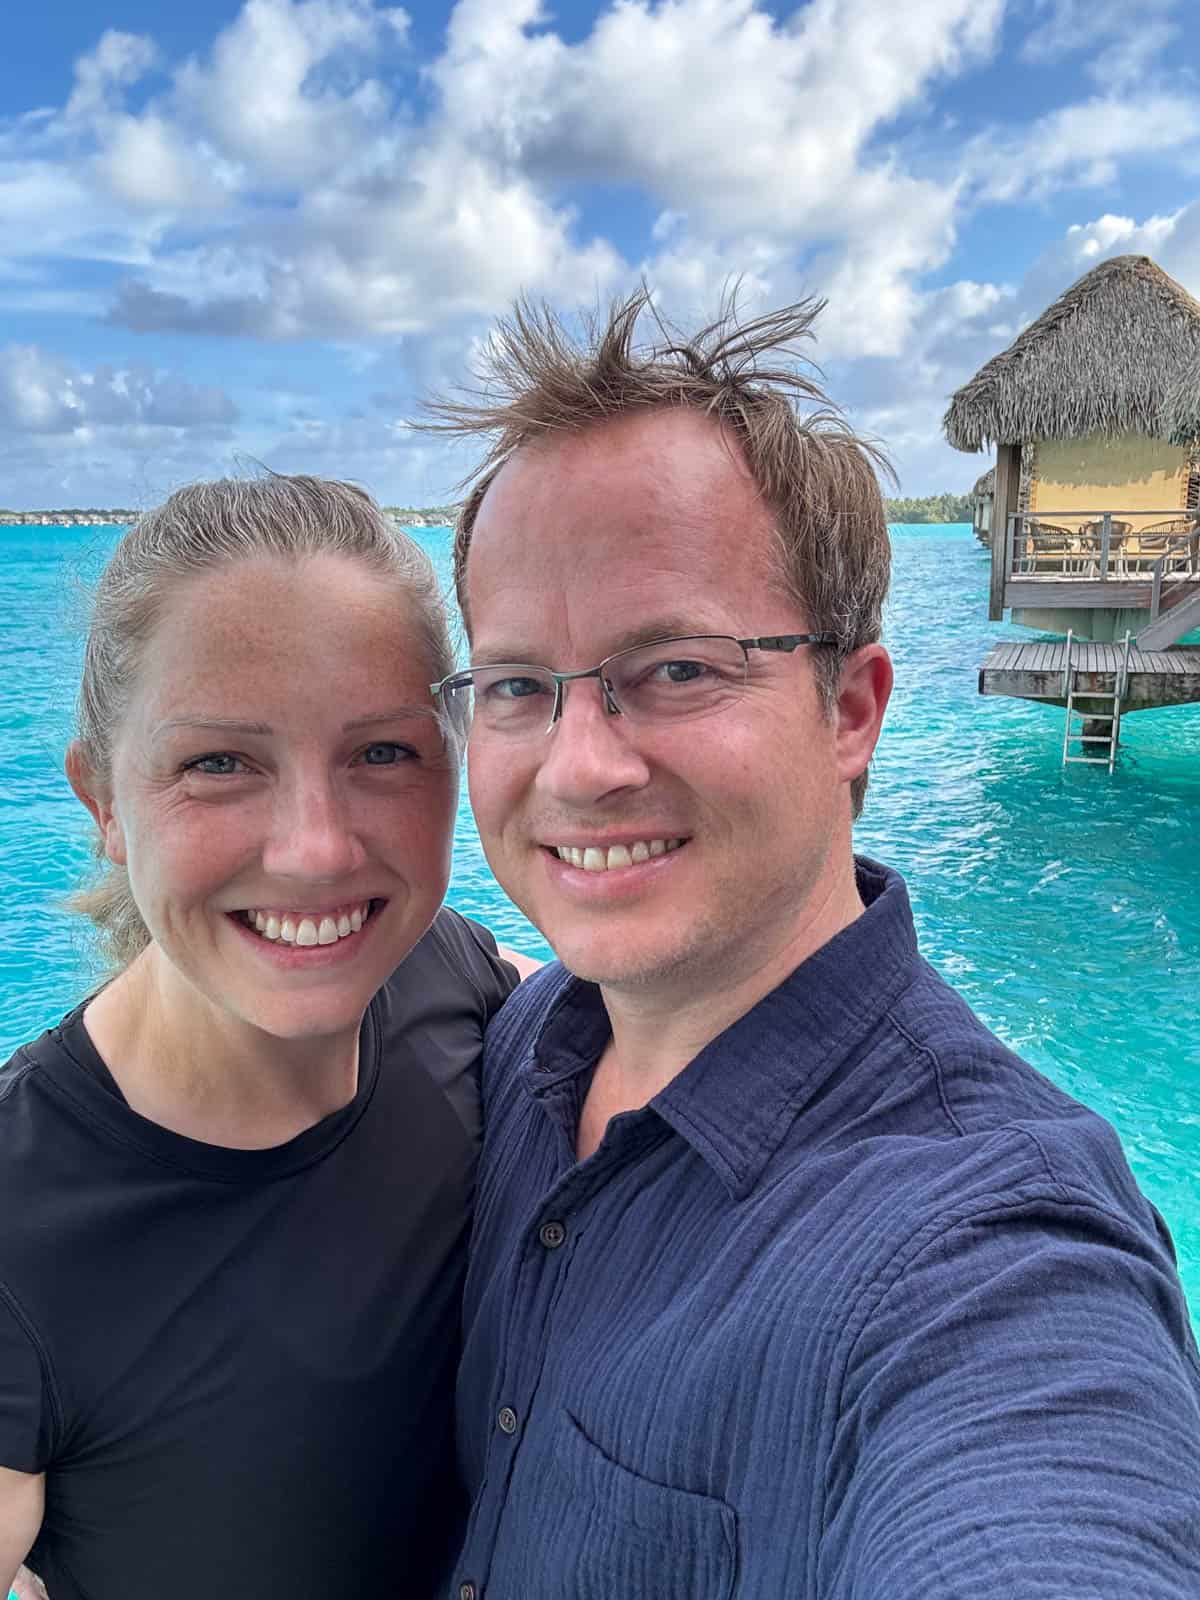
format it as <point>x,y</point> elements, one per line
<point>817,476</point>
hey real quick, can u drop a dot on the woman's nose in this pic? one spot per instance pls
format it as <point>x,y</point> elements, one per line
<point>313,836</point>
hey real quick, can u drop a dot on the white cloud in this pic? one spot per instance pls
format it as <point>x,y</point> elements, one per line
<point>1122,47</point>
<point>102,76</point>
<point>1082,145</point>
<point>42,392</point>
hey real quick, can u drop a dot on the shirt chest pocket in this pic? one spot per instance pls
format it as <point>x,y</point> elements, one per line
<point>614,1533</point>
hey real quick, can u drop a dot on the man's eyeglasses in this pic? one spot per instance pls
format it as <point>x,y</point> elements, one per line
<point>666,680</point>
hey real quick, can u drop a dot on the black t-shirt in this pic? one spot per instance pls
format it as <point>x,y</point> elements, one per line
<point>236,1367</point>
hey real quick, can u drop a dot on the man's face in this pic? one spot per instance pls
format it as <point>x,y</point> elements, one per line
<point>631,530</point>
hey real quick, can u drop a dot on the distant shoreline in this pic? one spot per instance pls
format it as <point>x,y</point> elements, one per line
<point>935,510</point>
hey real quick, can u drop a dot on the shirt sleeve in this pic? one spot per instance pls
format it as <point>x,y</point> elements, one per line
<point>25,1411</point>
<point>475,950</point>
<point>1019,1417</point>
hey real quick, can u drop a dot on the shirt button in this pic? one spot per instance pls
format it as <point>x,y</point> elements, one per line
<point>507,1420</point>
<point>552,1234</point>
<point>467,1591</point>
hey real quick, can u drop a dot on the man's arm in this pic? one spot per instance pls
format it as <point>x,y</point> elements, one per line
<point>1020,1415</point>
<point>22,1500</point>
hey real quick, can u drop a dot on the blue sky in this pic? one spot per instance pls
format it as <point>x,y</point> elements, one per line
<point>258,231</point>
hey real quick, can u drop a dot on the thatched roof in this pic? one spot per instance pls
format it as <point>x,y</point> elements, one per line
<point>1101,359</point>
<point>1181,417</point>
<point>985,485</point>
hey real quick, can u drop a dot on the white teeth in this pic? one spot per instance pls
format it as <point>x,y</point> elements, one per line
<point>308,931</point>
<point>594,859</point>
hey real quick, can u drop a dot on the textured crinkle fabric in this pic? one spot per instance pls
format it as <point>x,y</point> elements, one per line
<point>860,1308</point>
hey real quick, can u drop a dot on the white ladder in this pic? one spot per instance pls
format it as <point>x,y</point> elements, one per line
<point>1113,737</point>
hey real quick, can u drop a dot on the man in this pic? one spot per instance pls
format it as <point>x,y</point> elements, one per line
<point>788,1279</point>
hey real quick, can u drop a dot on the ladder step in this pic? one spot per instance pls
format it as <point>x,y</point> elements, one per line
<point>1085,761</point>
<point>1091,738</point>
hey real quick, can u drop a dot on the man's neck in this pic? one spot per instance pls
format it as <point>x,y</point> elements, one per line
<point>658,1029</point>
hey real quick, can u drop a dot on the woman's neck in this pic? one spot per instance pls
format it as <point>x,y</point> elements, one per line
<point>200,1072</point>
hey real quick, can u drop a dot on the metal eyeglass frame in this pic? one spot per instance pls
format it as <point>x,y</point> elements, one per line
<point>785,642</point>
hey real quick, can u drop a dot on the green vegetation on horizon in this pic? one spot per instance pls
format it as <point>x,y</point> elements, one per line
<point>924,508</point>
<point>931,508</point>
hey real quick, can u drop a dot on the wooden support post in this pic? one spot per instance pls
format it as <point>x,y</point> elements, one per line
<point>1105,542</point>
<point>1004,508</point>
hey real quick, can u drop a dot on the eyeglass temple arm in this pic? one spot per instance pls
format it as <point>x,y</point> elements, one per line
<point>787,641</point>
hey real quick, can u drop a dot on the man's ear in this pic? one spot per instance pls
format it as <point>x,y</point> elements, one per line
<point>864,688</point>
<point>95,795</point>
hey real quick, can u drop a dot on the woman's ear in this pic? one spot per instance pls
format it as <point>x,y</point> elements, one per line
<point>96,796</point>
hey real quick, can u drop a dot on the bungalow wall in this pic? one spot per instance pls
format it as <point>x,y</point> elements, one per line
<point>1096,473</point>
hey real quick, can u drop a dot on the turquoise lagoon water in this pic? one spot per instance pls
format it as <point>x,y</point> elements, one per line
<point>1064,905</point>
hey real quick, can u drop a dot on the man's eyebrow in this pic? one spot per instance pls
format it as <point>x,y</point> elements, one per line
<point>668,627</point>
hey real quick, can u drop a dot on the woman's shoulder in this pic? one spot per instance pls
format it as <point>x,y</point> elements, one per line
<point>459,956</point>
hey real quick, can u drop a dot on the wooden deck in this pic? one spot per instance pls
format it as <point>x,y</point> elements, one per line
<point>1057,591</point>
<point>1034,671</point>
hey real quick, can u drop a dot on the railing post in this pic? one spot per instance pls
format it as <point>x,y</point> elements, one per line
<point>1010,546</point>
<point>1156,588</point>
<point>1105,540</point>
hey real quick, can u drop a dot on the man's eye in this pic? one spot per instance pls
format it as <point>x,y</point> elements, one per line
<point>387,754</point>
<point>682,671</point>
<point>515,688</point>
<point>220,765</point>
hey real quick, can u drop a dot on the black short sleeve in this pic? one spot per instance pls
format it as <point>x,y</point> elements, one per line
<point>24,1406</point>
<point>473,949</point>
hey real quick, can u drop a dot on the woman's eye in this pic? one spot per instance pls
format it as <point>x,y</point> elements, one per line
<point>386,754</point>
<point>221,765</point>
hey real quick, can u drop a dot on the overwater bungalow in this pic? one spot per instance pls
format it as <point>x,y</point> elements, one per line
<point>983,495</point>
<point>1094,411</point>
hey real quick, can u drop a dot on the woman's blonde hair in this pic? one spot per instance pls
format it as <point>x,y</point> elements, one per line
<point>199,529</point>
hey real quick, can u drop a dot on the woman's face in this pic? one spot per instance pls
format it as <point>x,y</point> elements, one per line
<point>281,794</point>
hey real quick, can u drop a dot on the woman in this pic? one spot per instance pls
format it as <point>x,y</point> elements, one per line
<point>235,1183</point>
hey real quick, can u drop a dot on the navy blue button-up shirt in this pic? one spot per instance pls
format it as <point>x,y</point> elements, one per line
<point>860,1307</point>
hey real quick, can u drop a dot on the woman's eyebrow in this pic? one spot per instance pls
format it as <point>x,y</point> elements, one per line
<point>393,714</point>
<point>219,724</point>
<point>265,730</point>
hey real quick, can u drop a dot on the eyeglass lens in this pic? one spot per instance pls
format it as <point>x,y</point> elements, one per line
<point>662,682</point>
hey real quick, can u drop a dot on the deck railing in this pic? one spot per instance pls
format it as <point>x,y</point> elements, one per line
<point>1104,545</point>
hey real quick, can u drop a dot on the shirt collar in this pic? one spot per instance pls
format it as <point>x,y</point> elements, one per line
<point>736,1100</point>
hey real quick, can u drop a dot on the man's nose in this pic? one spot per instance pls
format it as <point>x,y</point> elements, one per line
<point>588,752</point>
<point>313,835</point>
